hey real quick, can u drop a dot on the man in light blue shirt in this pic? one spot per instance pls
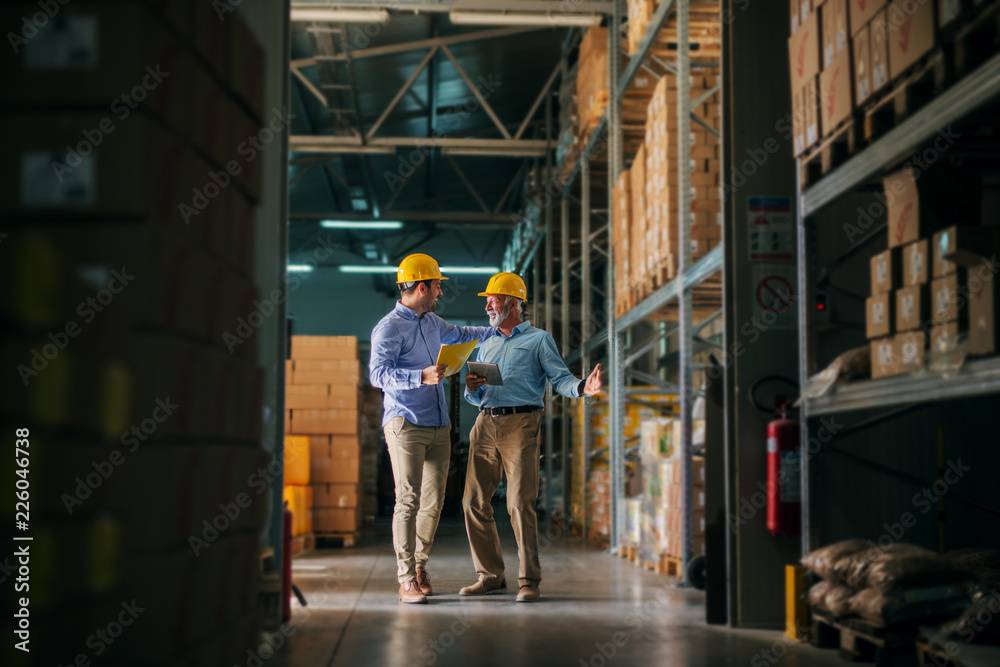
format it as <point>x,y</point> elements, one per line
<point>405,345</point>
<point>505,436</point>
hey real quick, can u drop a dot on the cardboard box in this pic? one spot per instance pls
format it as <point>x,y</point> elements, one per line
<point>911,33</point>
<point>836,92</point>
<point>915,259</point>
<point>878,35</point>
<point>944,298</point>
<point>672,496</point>
<point>336,495</point>
<point>324,347</point>
<point>983,301</point>
<point>296,460</point>
<point>833,19</point>
<point>959,238</point>
<point>912,307</point>
<point>884,360</point>
<point>309,422</point>
<point>861,12</point>
<point>879,315</point>
<point>804,52</point>
<point>862,66</point>
<point>335,471</point>
<point>910,348</point>
<point>886,269</point>
<point>794,13</point>
<point>905,222</point>
<point>336,519</point>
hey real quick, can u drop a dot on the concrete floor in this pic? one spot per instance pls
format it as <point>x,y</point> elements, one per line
<point>595,610</point>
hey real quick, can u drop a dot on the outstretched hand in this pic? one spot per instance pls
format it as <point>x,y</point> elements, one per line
<point>593,385</point>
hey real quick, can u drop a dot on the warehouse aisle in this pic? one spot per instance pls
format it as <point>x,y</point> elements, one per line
<point>592,606</point>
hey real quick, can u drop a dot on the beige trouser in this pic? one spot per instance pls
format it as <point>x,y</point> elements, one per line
<point>507,443</point>
<point>420,457</point>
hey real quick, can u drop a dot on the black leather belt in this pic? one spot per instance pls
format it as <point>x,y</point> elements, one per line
<point>496,412</point>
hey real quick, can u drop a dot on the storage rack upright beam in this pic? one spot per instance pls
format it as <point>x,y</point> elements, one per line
<point>976,378</point>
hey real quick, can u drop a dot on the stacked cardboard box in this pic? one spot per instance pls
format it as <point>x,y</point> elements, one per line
<point>598,519</point>
<point>621,214</point>
<point>122,287</point>
<point>371,446</point>
<point>669,514</point>
<point>927,286</point>
<point>322,403</point>
<point>640,12</point>
<point>591,80</point>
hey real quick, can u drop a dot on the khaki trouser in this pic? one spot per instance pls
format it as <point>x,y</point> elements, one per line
<point>420,457</point>
<point>507,443</point>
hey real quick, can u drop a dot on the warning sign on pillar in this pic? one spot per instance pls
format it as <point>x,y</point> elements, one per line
<point>771,228</point>
<point>775,304</point>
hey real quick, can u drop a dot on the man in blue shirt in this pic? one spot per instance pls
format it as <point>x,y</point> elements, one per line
<point>505,435</point>
<point>405,345</point>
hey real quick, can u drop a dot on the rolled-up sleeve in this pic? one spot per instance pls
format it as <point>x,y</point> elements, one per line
<point>563,382</point>
<point>382,370</point>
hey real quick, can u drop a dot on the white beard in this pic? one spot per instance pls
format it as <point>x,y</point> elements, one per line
<point>497,318</point>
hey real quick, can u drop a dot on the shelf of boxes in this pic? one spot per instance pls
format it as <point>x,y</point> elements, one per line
<point>930,314</point>
<point>160,354</point>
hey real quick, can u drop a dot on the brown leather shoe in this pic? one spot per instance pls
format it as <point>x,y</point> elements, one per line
<point>424,581</point>
<point>484,587</point>
<point>409,592</point>
<point>528,594</point>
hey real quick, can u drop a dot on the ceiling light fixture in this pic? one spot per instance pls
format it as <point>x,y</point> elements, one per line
<point>525,18</point>
<point>361,224</point>
<point>310,12</point>
<point>300,268</point>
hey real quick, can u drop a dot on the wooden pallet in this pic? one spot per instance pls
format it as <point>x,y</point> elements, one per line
<point>931,656</point>
<point>626,552</point>
<point>978,40</point>
<point>920,84</point>
<point>672,566</point>
<point>832,151</point>
<point>345,540</point>
<point>860,641</point>
<point>303,544</point>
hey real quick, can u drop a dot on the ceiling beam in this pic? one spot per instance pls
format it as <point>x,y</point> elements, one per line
<point>471,217</point>
<point>454,145</point>
<point>475,91</point>
<point>402,47</point>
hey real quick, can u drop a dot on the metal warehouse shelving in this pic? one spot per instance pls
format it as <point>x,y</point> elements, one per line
<point>975,378</point>
<point>673,299</point>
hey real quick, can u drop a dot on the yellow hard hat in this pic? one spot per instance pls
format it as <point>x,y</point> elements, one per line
<point>418,267</point>
<point>506,283</point>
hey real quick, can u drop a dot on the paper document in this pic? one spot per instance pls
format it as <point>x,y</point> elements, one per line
<point>487,370</point>
<point>455,356</point>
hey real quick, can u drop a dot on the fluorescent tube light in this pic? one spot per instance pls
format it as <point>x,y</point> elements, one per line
<point>361,224</point>
<point>300,268</point>
<point>525,18</point>
<point>338,15</point>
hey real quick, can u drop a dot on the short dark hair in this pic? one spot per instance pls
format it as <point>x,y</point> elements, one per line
<point>406,288</point>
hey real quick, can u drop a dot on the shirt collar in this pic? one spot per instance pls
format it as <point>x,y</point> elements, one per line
<point>520,328</point>
<point>406,311</point>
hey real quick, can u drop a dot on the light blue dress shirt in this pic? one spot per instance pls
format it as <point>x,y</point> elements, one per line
<point>403,344</point>
<point>527,359</point>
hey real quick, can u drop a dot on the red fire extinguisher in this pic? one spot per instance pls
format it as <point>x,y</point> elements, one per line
<point>784,484</point>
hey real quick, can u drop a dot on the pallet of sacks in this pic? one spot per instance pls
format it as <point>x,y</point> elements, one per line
<point>322,404</point>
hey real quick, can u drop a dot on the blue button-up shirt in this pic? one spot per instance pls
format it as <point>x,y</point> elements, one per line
<point>403,344</point>
<point>527,358</point>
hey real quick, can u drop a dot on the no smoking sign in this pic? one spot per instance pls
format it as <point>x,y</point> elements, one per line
<point>774,295</point>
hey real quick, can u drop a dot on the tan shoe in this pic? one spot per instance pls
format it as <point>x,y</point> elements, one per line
<point>528,594</point>
<point>484,587</point>
<point>424,581</point>
<point>409,592</point>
